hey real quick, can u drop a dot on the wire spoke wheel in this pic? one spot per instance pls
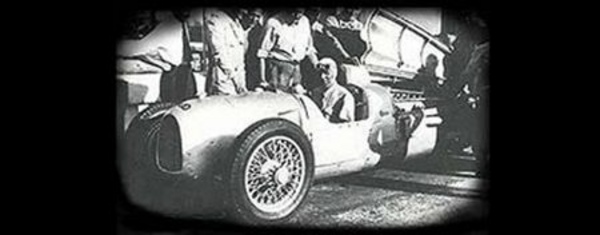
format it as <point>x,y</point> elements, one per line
<point>271,173</point>
<point>275,173</point>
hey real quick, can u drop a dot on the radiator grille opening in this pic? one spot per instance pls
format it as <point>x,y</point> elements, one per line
<point>169,145</point>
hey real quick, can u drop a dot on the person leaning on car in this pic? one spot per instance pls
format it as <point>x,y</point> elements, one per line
<point>287,40</point>
<point>158,42</point>
<point>227,42</point>
<point>336,103</point>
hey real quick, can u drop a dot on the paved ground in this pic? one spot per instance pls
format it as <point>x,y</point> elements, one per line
<point>421,193</point>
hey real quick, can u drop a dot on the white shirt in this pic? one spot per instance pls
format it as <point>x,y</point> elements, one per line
<point>226,39</point>
<point>335,100</point>
<point>286,42</point>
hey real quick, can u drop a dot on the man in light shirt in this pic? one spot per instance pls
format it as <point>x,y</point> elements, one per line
<point>287,40</point>
<point>336,103</point>
<point>227,43</point>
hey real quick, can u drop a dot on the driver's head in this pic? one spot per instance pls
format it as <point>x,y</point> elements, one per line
<point>327,70</point>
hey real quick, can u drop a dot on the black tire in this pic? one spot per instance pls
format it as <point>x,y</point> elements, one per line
<point>241,207</point>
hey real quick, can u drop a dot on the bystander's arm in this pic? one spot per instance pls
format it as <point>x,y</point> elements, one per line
<point>338,45</point>
<point>311,52</point>
<point>266,45</point>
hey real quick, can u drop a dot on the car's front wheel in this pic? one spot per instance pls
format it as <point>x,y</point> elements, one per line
<point>271,173</point>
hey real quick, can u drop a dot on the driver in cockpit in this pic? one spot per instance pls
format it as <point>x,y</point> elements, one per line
<point>336,103</point>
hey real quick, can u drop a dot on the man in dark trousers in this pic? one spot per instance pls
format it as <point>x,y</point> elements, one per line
<point>255,29</point>
<point>286,41</point>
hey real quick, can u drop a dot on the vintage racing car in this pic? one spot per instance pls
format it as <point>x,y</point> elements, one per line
<point>255,156</point>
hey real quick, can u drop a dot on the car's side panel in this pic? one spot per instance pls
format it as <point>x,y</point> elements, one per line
<point>349,147</point>
<point>423,134</point>
<point>383,133</point>
<point>424,137</point>
<point>338,147</point>
<point>344,148</point>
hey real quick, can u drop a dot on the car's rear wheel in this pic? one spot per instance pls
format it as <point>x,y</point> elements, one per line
<point>271,173</point>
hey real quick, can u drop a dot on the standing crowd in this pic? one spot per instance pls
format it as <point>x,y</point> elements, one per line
<point>248,49</point>
<point>248,53</point>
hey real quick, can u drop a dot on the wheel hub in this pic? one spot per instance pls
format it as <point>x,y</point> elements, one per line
<point>268,166</point>
<point>282,176</point>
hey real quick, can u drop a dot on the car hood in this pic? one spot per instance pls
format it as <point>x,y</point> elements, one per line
<point>204,118</point>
